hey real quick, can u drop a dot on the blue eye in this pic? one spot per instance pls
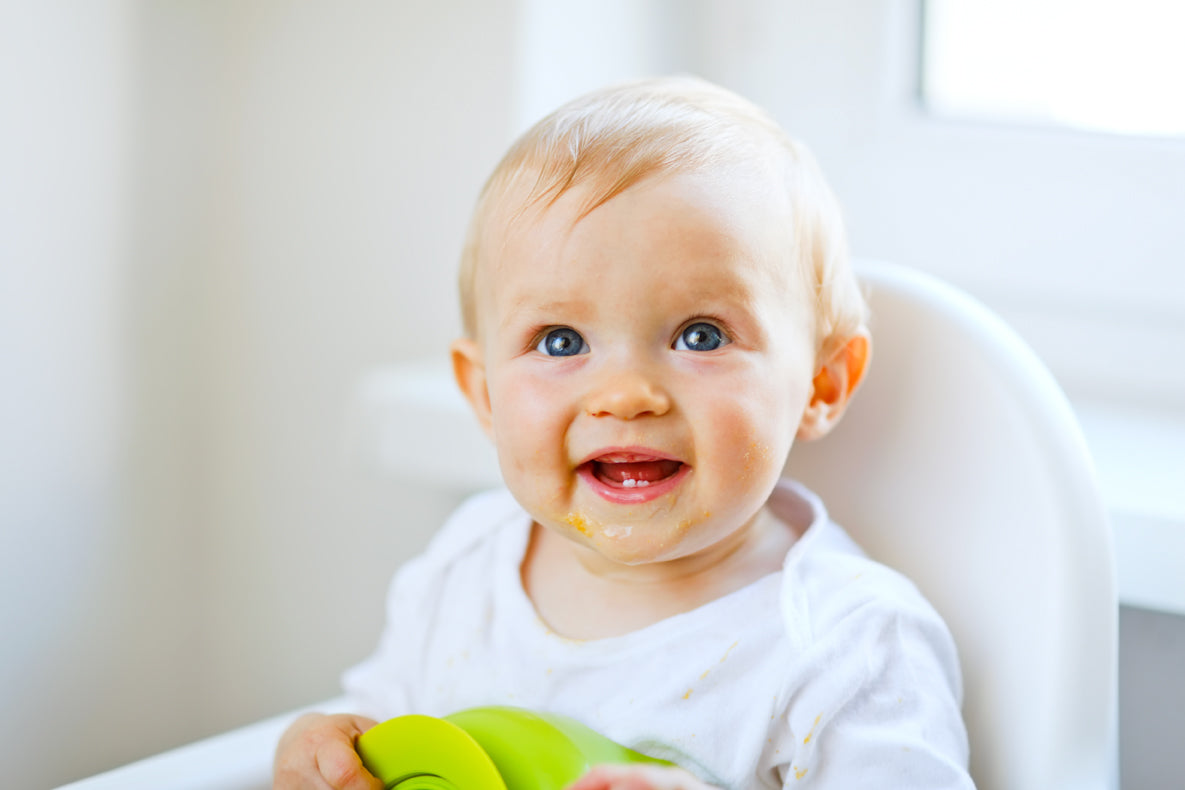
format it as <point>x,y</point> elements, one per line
<point>700,337</point>
<point>562,342</point>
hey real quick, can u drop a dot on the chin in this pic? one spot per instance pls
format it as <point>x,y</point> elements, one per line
<point>634,550</point>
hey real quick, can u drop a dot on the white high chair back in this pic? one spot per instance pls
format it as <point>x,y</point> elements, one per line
<point>960,463</point>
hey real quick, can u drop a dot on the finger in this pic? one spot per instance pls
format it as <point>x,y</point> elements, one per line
<point>639,777</point>
<point>357,725</point>
<point>609,777</point>
<point>293,767</point>
<point>342,769</point>
<point>286,778</point>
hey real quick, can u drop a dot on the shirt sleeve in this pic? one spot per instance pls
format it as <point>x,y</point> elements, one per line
<point>880,703</point>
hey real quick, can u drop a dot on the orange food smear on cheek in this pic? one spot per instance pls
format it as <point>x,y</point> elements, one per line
<point>756,455</point>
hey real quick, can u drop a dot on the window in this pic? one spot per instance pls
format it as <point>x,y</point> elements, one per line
<point>1104,65</point>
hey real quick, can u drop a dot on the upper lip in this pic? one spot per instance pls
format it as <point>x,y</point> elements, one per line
<point>627,455</point>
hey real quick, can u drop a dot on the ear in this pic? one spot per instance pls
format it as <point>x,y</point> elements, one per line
<point>834,385</point>
<point>470,372</point>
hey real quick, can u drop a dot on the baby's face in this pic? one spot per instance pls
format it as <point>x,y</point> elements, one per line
<point>648,365</point>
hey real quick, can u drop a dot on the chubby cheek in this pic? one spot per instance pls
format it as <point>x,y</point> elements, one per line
<point>530,434</point>
<point>744,444</point>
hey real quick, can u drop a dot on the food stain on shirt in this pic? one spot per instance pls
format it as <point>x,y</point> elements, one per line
<point>723,658</point>
<point>811,734</point>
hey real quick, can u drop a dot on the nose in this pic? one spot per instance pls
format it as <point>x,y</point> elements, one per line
<point>627,395</point>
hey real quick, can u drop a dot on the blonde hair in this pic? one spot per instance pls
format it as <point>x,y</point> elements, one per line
<point>613,138</point>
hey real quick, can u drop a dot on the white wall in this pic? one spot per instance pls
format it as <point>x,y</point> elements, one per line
<point>352,141</point>
<point>217,217</point>
<point>88,519</point>
<point>565,48</point>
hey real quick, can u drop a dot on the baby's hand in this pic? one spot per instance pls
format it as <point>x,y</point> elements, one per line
<point>638,777</point>
<point>318,752</point>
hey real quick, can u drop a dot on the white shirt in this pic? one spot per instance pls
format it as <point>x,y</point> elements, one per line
<point>833,673</point>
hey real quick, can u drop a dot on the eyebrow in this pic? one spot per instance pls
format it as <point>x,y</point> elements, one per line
<point>575,310</point>
<point>552,307</point>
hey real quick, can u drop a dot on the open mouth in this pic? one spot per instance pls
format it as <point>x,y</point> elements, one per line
<point>632,476</point>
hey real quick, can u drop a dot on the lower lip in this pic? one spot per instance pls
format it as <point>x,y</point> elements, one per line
<point>635,495</point>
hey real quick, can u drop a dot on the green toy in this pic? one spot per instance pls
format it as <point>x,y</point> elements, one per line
<point>494,748</point>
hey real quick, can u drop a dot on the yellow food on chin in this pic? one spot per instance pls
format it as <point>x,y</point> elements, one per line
<point>613,536</point>
<point>578,523</point>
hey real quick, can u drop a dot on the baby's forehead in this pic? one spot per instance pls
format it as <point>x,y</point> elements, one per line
<point>524,203</point>
<point>723,220</point>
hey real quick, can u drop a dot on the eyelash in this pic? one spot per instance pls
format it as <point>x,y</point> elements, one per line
<point>714,320</point>
<point>540,334</point>
<point>717,324</point>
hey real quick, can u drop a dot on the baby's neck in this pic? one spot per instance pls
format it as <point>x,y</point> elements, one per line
<point>581,595</point>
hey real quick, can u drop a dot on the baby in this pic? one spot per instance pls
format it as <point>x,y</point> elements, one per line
<point>657,304</point>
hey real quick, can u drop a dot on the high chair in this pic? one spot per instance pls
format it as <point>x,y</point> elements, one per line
<point>961,464</point>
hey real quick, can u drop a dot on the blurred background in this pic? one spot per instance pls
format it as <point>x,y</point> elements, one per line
<point>218,217</point>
